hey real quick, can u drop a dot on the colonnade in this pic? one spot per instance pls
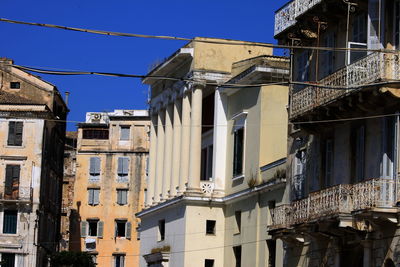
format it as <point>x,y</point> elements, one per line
<point>175,147</point>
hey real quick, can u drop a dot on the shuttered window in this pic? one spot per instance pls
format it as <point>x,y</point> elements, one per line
<point>122,196</point>
<point>10,222</point>
<point>15,129</point>
<point>92,227</point>
<point>11,186</point>
<point>123,228</point>
<point>125,132</point>
<point>123,169</point>
<point>94,169</point>
<point>119,260</point>
<point>94,194</point>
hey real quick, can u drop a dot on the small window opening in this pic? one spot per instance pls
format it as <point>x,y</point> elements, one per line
<point>210,227</point>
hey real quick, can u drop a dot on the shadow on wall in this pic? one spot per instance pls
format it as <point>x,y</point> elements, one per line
<point>75,229</point>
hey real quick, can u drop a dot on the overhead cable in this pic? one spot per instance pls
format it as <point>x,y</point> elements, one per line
<point>205,40</point>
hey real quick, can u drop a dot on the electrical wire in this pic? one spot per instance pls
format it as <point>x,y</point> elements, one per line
<point>210,41</point>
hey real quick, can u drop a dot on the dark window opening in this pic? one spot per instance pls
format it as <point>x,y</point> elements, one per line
<point>210,227</point>
<point>209,263</point>
<point>206,163</point>
<point>95,134</point>
<point>15,85</point>
<point>10,222</point>
<point>7,259</point>
<point>271,244</point>
<point>207,113</point>
<point>238,221</point>
<point>92,227</point>
<point>237,251</point>
<point>119,260</point>
<point>161,230</point>
<point>120,227</point>
<point>238,152</point>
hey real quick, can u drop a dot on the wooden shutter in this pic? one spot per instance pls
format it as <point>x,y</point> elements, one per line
<point>11,133</point>
<point>120,165</point>
<point>84,227</point>
<point>94,168</point>
<point>90,197</point>
<point>128,230</point>
<point>125,166</point>
<point>124,196</point>
<point>96,193</point>
<point>100,226</point>
<point>18,133</point>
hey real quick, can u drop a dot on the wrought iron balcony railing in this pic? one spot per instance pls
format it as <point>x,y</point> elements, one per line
<point>286,16</point>
<point>340,199</point>
<point>374,67</point>
<point>15,193</point>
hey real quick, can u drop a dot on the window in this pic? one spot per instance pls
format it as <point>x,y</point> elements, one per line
<point>123,229</point>
<point>95,134</point>
<point>299,169</point>
<point>359,32</point>
<point>303,65</point>
<point>328,56</point>
<point>161,230</point>
<point>15,85</point>
<point>119,260</point>
<point>15,129</point>
<point>123,169</point>
<point>206,163</point>
<point>237,252</point>
<point>125,132</point>
<point>122,196</point>
<point>11,186</point>
<point>208,263</point>
<point>210,227</point>
<point>328,162</point>
<point>94,170</point>
<point>238,145</point>
<point>92,228</point>
<point>94,194</point>
<point>271,246</point>
<point>10,221</point>
<point>389,126</point>
<point>238,221</point>
<point>359,154</point>
<point>7,259</point>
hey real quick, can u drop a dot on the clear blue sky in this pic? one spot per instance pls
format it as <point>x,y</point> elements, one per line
<point>50,48</point>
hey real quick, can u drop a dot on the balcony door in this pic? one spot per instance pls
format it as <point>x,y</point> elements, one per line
<point>396,24</point>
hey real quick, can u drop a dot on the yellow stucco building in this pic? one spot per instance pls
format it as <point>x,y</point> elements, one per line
<point>112,150</point>
<point>217,156</point>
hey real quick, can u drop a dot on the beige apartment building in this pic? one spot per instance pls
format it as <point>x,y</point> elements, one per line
<point>32,132</point>
<point>112,151</point>
<point>344,141</point>
<point>217,156</point>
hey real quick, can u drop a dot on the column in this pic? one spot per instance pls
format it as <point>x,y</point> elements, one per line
<point>185,141</point>
<point>152,161</point>
<point>195,139</point>
<point>219,142</point>
<point>176,148</point>
<point>160,156</point>
<point>167,152</point>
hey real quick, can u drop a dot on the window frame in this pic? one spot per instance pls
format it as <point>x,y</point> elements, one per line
<point>118,196</point>
<point>15,138</point>
<point>211,226</point>
<point>93,202</point>
<point>122,176</point>
<point>122,137</point>
<point>16,222</point>
<point>95,134</point>
<point>94,177</point>
<point>122,257</point>
<point>239,125</point>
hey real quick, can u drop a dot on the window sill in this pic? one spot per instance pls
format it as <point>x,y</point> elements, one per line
<point>15,147</point>
<point>10,234</point>
<point>238,177</point>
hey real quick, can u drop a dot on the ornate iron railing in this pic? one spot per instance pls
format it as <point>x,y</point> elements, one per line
<point>15,193</point>
<point>285,17</point>
<point>332,201</point>
<point>372,68</point>
<point>303,5</point>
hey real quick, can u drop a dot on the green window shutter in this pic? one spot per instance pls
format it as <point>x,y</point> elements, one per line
<point>18,133</point>
<point>11,133</point>
<point>124,197</point>
<point>16,174</point>
<point>84,228</point>
<point>118,196</point>
<point>94,168</point>
<point>9,175</point>
<point>100,226</point>
<point>128,230</point>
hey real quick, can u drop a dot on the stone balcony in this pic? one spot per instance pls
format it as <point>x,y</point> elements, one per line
<point>286,16</point>
<point>15,194</point>
<point>375,67</point>
<point>334,201</point>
